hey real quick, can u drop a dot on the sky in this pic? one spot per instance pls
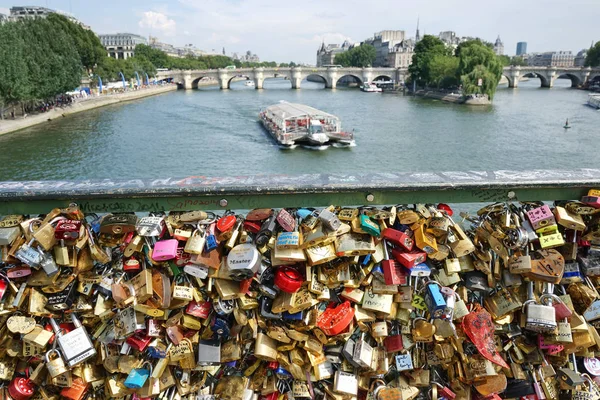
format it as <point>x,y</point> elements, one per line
<point>285,30</point>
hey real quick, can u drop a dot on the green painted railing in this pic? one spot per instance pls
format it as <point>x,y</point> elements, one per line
<point>308,190</point>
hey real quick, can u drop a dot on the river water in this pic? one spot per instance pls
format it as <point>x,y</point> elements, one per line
<point>216,133</point>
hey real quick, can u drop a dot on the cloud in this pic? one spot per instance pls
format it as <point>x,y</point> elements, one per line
<point>330,37</point>
<point>158,22</point>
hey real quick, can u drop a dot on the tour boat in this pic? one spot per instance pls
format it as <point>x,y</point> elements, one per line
<point>292,123</point>
<point>370,87</point>
<point>594,101</point>
<point>249,83</point>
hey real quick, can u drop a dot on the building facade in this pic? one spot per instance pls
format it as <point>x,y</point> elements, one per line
<point>499,47</point>
<point>580,58</point>
<point>121,45</point>
<point>401,54</point>
<point>551,59</point>
<point>384,43</point>
<point>326,54</point>
<point>23,12</point>
<point>521,48</point>
<point>248,57</point>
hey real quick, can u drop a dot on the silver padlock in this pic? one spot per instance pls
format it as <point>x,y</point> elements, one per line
<point>209,352</point>
<point>540,318</point>
<point>345,383</point>
<point>330,220</point>
<point>76,345</point>
<point>363,353</point>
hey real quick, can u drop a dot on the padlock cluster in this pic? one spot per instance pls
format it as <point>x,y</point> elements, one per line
<point>378,303</point>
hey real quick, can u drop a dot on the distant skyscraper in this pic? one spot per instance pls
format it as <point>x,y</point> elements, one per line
<point>521,48</point>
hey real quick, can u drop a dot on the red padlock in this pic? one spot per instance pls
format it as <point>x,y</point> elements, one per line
<point>226,223</point>
<point>76,391</point>
<point>18,272</point>
<point>393,343</point>
<point>67,229</point>
<point>398,238</point>
<point>132,265</point>
<point>288,279</point>
<point>251,227</point>
<point>21,388</point>
<point>139,342</point>
<point>334,320</point>
<point>200,310</point>
<point>409,260</point>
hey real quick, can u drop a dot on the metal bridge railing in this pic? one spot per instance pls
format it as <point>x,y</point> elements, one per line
<point>308,190</point>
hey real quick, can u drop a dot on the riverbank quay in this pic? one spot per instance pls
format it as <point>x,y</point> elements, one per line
<point>12,125</point>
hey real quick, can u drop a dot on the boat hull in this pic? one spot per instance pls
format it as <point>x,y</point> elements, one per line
<point>320,141</point>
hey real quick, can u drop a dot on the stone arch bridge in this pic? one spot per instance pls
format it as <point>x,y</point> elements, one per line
<point>188,79</point>
<point>548,75</point>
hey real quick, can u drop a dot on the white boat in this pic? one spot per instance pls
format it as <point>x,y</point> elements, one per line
<point>249,83</point>
<point>292,123</point>
<point>594,101</point>
<point>370,87</point>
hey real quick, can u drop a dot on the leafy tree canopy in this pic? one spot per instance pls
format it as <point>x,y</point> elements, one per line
<point>592,58</point>
<point>359,56</point>
<point>425,51</point>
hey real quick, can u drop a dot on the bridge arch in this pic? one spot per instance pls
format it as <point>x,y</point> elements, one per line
<point>357,79</point>
<point>247,76</point>
<point>317,78</point>
<point>199,78</point>
<point>383,77</point>
<point>575,80</point>
<point>544,81</point>
<point>595,78</point>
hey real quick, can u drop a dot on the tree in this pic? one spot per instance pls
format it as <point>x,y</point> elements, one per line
<point>518,60</point>
<point>158,58</point>
<point>442,71</point>
<point>477,61</point>
<point>293,64</point>
<point>592,58</point>
<point>425,51</point>
<point>360,56</point>
<point>15,85</point>
<point>504,60</point>
<point>54,65</point>
<point>89,48</point>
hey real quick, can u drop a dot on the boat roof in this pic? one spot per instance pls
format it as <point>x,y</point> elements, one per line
<point>294,110</point>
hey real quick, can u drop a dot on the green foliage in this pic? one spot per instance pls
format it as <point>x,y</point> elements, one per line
<point>52,63</point>
<point>489,81</point>
<point>425,51</point>
<point>518,60</point>
<point>89,48</point>
<point>478,61</point>
<point>592,58</point>
<point>442,71</point>
<point>109,68</point>
<point>155,56</point>
<point>470,43</point>
<point>14,81</point>
<point>359,56</point>
<point>504,60</point>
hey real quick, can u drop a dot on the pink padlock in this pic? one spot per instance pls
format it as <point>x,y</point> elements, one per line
<point>541,217</point>
<point>551,349</point>
<point>593,201</point>
<point>165,250</point>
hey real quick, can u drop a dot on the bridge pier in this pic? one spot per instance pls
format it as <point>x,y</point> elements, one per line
<point>296,77</point>
<point>296,83</point>
<point>188,82</point>
<point>331,79</point>
<point>367,75</point>
<point>259,78</point>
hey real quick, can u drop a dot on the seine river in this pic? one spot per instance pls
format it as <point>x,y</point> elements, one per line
<point>213,132</point>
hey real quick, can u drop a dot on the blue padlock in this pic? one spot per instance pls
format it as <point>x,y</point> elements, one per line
<point>138,376</point>
<point>435,300</point>
<point>303,213</point>
<point>211,240</point>
<point>366,260</point>
<point>377,272</point>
